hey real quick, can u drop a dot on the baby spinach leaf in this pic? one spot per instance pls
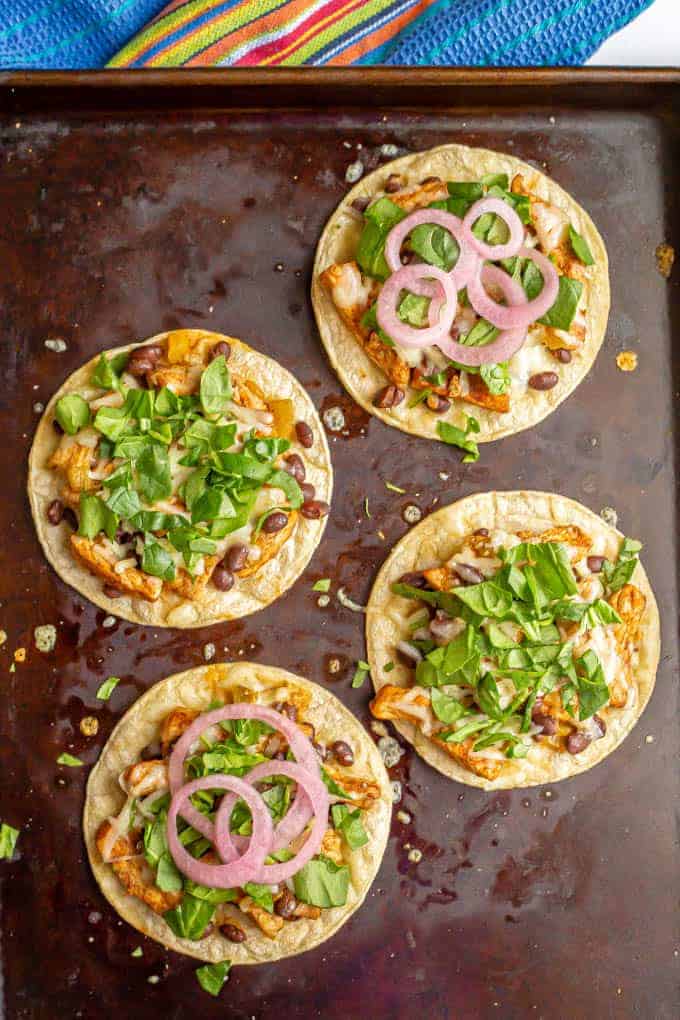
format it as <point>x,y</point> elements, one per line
<point>190,918</point>
<point>290,488</point>
<point>112,422</point>
<point>72,413</point>
<point>168,878</point>
<point>124,502</point>
<point>107,372</point>
<point>413,309</point>
<point>617,574</point>
<point>349,825</point>
<point>95,516</point>
<point>153,473</point>
<point>561,314</point>
<point>455,436</point>
<point>106,689</point>
<point>215,388</point>
<point>322,883</point>
<point>210,895</point>
<point>447,709</point>
<point>434,245</point>
<point>485,599</point>
<point>581,248</point>
<point>481,334</point>
<point>8,841</point>
<point>593,692</point>
<point>261,894</point>
<point>211,976</point>
<point>496,377</point>
<point>379,220</point>
<point>156,560</point>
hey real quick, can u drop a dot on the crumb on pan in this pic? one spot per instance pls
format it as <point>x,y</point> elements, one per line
<point>665,257</point>
<point>627,361</point>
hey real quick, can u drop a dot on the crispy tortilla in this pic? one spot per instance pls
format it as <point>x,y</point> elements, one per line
<point>255,589</point>
<point>195,689</point>
<point>433,542</point>
<point>358,372</point>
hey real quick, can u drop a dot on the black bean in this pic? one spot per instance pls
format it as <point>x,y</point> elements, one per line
<point>233,932</point>
<point>139,366</point>
<point>415,578</point>
<point>595,564</point>
<point>222,578</point>
<point>274,744</point>
<point>431,180</point>
<point>223,349</point>
<point>437,403</point>
<point>342,752</point>
<point>468,574</point>
<point>286,905</point>
<point>601,726</point>
<point>236,558</point>
<point>563,355</point>
<point>122,536</point>
<point>361,203</point>
<point>546,721</point>
<point>151,752</point>
<point>320,750</point>
<point>143,359</point>
<point>313,509</point>
<point>70,518</point>
<point>57,427</point>
<point>577,742</point>
<point>55,511</point>
<point>484,532</point>
<point>275,522</point>
<point>544,380</point>
<point>295,466</point>
<point>308,491</point>
<point>305,436</point>
<point>111,592</point>
<point>393,183</point>
<point>289,710</point>
<point>389,396</point>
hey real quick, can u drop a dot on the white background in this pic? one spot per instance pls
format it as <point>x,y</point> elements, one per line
<point>651,39</point>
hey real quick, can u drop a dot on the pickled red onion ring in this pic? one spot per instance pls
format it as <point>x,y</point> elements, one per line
<point>301,747</point>
<point>517,316</point>
<point>290,826</point>
<point>236,872</point>
<point>507,343</point>
<point>407,278</point>
<point>317,796</point>
<point>465,267</point>
<point>511,220</point>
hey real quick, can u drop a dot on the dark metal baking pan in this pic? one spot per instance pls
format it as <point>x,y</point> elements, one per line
<point>133,203</point>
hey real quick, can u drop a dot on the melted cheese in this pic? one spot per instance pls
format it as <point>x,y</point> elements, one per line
<point>530,359</point>
<point>602,641</point>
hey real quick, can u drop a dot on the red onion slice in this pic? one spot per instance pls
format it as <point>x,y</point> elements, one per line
<point>318,796</point>
<point>517,315</point>
<point>407,278</point>
<point>297,741</point>
<point>290,826</point>
<point>507,343</point>
<point>236,872</point>
<point>511,220</point>
<point>466,264</point>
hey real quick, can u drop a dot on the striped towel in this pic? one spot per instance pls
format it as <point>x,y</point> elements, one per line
<point>90,33</point>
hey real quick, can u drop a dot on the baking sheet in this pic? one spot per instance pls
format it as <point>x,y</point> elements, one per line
<point>132,205</point>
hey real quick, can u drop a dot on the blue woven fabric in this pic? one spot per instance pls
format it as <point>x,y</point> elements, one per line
<point>494,33</point>
<point>86,33</point>
<point>69,33</point>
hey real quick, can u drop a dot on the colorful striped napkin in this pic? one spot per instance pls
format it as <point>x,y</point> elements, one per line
<point>90,33</point>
